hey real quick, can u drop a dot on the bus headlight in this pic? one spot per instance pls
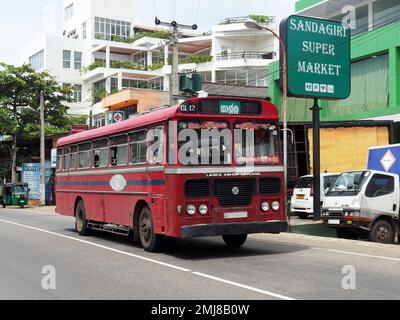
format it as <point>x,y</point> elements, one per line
<point>265,206</point>
<point>275,206</point>
<point>191,210</point>
<point>203,209</point>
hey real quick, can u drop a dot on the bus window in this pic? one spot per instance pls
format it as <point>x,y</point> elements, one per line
<point>157,145</point>
<point>66,159</point>
<point>214,143</point>
<point>119,150</point>
<point>259,143</point>
<point>59,159</point>
<point>74,156</point>
<point>138,147</point>
<point>84,156</point>
<point>100,153</point>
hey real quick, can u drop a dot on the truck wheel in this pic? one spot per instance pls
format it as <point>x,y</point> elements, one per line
<point>302,215</point>
<point>235,241</point>
<point>151,241</point>
<point>81,224</point>
<point>346,234</point>
<point>382,232</point>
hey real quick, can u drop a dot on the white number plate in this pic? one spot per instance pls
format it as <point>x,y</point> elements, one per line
<point>334,222</point>
<point>235,215</point>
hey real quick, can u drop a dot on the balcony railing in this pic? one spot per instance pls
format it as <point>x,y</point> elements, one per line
<point>246,55</point>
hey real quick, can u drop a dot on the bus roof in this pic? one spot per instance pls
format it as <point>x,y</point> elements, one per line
<point>160,115</point>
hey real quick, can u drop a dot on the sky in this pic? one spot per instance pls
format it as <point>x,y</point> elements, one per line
<point>24,22</point>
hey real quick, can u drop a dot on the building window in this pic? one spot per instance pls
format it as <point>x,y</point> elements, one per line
<point>78,93</point>
<point>69,12</point>
<point>111,30</point>
<point>140,58</point>
<point>250,77</point>
<point>84,31</point>
<point>385,12</point>
<point>37,60</point>
<point>78,60</point>
<point>66,59</point>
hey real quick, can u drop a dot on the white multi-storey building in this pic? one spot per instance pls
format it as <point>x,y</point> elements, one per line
<point>102,51</point>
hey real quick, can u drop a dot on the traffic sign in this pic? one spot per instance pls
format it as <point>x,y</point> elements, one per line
<point>318,57</point>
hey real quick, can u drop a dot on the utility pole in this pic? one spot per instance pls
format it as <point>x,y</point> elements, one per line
<point>42,153</point>
<point>174,43</point>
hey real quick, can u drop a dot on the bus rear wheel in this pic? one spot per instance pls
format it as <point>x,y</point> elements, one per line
<point>81,223</point>
<point>150,241</point>
<point>235,241</point>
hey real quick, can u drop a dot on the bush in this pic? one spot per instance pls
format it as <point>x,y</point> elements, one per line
<point>160,34</point>
<point>156,66</point>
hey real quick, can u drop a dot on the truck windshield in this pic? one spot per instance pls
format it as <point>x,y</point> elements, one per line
<point>348,184</point>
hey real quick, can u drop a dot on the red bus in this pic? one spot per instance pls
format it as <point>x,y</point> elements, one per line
<point>145,177</point>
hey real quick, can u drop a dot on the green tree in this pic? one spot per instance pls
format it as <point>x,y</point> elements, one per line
<point>20,89</point>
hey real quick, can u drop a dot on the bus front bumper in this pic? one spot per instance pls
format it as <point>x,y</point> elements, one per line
<point>210,230</point>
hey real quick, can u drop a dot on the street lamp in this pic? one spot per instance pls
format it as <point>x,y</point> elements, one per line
<point>254,25</point>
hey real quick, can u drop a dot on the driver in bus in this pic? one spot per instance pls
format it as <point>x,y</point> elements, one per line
<point>261,145</point>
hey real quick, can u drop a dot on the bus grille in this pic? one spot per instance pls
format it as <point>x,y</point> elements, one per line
<point>224,191</point>
<point>197,188</point>
<point>270,186</point>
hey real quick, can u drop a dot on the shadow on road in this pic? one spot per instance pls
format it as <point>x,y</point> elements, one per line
<point>202,248</point>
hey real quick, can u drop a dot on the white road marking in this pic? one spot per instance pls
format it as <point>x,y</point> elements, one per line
<point>279,296</point>
<point>97,245</point>
<point>243,286</point>
<point>330,250</point>
<point>357,254</point>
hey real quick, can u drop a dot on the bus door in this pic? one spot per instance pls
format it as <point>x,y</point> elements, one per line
<point>155,172</point>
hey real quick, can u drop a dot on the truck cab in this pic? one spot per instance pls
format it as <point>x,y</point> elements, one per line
<point>364,202</point>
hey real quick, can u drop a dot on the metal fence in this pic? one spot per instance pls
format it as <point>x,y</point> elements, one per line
<point>245,55</point>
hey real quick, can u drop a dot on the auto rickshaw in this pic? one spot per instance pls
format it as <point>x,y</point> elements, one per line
<point>14,194</point>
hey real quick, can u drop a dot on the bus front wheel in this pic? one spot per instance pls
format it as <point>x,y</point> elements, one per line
<point>235,241</point>
<point>150,241</point>
<point>81,224</point>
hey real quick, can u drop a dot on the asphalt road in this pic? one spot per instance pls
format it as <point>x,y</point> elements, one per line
<point>105,266</point>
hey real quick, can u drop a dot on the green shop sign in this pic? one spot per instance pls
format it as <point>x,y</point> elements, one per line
<point>318,57</point>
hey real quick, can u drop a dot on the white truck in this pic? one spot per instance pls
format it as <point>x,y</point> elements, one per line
<point>367,201</point>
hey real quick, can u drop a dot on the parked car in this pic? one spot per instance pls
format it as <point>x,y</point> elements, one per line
<point>302,202</point>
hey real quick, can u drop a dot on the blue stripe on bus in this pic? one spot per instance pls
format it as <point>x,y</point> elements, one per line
<point>107,183</point>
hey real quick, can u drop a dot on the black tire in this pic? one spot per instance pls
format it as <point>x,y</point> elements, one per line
<point>302,215</point>
<point>22,206</point>
<point>382,232</point>
<point>133,235</point>
<point>346,234</point>
<point>81,223</point>
<point>235,241</point>
<point>151,242</point>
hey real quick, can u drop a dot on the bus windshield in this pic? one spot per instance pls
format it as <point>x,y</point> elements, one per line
<point>215,143</point>
<point>257,143</point>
